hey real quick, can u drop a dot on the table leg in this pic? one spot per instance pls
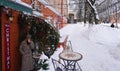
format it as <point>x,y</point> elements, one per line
<point>70,65</point>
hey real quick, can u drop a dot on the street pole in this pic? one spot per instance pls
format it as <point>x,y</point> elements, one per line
<point>84,12</point>
<point>67,11</point>
<point>116,16</point>
<point>61,14</point>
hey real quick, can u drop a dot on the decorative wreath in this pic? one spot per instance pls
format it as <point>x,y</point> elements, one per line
<point>43,33</point>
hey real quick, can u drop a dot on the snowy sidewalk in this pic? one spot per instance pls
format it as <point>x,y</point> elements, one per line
<point>99,45</point>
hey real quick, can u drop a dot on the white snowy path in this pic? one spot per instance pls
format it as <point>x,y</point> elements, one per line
<point>99,45</point>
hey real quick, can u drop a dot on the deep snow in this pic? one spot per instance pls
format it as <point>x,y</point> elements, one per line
<point>99,45</point>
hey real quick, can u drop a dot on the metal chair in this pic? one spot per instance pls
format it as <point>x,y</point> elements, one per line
<point>57,65</point>
<point>68,48</point>
<point>78,68</point>
<point>71,66</point>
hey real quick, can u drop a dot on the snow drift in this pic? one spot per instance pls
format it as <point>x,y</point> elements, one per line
<point>104,35</point>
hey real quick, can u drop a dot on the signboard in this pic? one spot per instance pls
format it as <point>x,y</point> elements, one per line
<point>7,47</point>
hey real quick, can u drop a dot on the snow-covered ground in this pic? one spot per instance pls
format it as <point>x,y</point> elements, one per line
<point>99,45</point>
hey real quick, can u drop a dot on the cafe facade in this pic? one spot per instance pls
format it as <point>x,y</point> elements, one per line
<point>10,30</point>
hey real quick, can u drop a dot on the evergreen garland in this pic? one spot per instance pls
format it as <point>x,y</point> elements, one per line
<point>43,34</point>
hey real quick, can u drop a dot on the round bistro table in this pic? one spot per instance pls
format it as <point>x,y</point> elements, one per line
<point>70,59</point>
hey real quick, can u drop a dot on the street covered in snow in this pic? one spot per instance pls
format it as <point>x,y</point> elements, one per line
<point>99,45</point>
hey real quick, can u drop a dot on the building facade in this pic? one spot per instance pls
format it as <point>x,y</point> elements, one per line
<point>10,30</point>
<point>109,11</point>
<point>75,10</point>
<point>60,5</point>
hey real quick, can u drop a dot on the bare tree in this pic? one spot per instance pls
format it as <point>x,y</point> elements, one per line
<point>90,6</point>
<point>80,10</point>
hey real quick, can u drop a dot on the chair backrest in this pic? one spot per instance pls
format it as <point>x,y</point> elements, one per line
<point>68,47</point>
<point>57,65</point>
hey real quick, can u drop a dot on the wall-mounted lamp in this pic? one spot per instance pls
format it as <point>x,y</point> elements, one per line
<point>11,18</point>
<point>9,14</point>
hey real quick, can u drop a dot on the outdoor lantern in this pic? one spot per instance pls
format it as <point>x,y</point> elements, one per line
<point>9,15</point>
<point>11,18</point>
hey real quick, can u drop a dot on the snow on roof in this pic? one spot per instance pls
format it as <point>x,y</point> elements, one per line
<point>36,13</point>
<point>42,1</point>
<point>22,3</point>
<point>50,7</point>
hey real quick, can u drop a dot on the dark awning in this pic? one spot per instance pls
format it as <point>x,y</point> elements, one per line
<point>15,6</point>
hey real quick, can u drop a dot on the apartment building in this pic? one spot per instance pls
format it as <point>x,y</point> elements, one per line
<point>61,6</point>
<point>109,11</point>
